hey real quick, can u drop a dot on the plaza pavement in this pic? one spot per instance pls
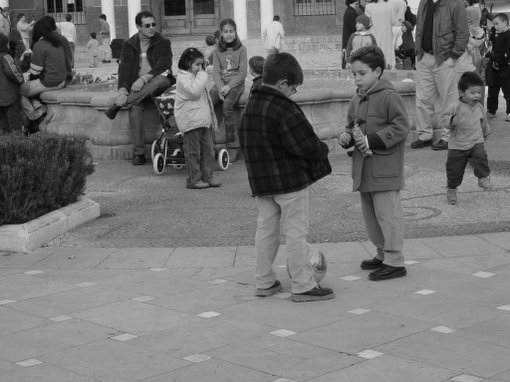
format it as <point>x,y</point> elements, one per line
<point>96,306</point>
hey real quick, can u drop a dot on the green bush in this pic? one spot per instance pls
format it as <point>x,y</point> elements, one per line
<point>39,174</point>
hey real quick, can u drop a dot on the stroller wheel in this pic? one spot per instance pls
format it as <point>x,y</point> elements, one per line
<point>223,159</point>
<point>158,163</point>
<point>155,148</point>
<point>178,166</point>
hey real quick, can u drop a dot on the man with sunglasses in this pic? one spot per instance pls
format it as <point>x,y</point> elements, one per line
<point>144,70</point>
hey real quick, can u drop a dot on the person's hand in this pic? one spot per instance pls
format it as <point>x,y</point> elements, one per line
<point>137,85</point>
<point>121,100</point>
<point>224,90</point>
<point>344,139</point>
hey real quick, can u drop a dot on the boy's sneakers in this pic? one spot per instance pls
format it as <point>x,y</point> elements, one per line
<point>197,186</point>
<point>275,288</point>
<point>316,294</point>
<point>485,183</point>
<point>507,118</point>
<point>491,115</point>
<point>451,195</point>
<point>213,182</point>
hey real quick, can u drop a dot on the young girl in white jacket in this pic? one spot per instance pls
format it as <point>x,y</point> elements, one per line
<point>195,118</point>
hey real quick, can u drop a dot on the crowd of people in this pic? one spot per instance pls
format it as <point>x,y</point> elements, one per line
<point>282,153</point>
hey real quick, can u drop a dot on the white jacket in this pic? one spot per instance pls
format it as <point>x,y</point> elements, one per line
<point>193,107</point>
<point>273,35</point>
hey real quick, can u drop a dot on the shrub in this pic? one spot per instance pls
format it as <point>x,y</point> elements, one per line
<point>39,174</point>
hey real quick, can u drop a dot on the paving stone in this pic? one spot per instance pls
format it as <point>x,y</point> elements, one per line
<point>501,239</point>
<point>388,369</point>
<point>279,313</point>
<point>215,370</point>
<point>74,258</point>
<point>22,287</point>
<point>418,249</point>
<point>202,257</point>
<point>14,320</point>
<point>113,361</point>
<point>52,337</point>
<point>44,373</point>
<point>362,332</point>
<point>73,300</point>
<point>212,297</point>
<point>135,318</point>
<point>495,331</point>
<point>437,310</point>
<point>156,284</point>
<point>452,352</point>
<point>18,260</point>
<point>468,264</point>
<point>199,336</point>
<point>461,246</point>
<point>137,258</point>
<point>284,357</point>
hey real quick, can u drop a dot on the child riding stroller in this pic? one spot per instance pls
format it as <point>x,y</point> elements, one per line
<point>168,148</point>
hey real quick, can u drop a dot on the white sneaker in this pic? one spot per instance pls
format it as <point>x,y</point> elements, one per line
<point>507,118</point>
<point>491,116</point>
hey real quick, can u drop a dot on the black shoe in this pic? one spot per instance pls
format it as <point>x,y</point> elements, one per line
<point>106,61</point>
<point>316,294</point>
<point>441,145</point>
<point>112,111</point>
<point>139,160</point>
<point>371,264</point>
<point>387,272</point>
<point>419,144</point>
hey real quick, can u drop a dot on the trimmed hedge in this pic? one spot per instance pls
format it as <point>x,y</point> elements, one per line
<point>39,174</point>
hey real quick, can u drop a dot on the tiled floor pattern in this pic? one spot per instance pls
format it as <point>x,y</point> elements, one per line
<point>189,314</point>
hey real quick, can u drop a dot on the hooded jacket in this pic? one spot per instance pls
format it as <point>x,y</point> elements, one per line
<point>382,117</point>
<point>159,55</point>
<point>193,107</point>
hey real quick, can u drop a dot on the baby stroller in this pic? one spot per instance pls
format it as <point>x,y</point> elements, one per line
<point>168,148</point>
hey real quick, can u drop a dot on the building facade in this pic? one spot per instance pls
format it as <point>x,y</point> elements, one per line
<point>190,18</point>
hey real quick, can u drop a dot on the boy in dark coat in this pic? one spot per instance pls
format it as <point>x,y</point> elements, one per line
<point>377,128</point>
<point>283,156</point>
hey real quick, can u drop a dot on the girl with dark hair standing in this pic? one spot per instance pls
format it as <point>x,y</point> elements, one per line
<point>230,66</point>
<point>195,119</point>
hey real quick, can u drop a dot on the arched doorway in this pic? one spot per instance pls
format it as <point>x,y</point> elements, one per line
<point>189,17</point>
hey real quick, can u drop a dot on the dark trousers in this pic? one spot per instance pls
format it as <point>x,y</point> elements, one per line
<point>231,130</point>
<point>404,53</point>
<point>11,118</point>
<point>199,154</point>
<point>500,80</point>
<point>458,159</point>
<point>155,86</point>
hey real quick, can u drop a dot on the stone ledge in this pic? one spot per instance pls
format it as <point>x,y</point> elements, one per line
<point>31,235</point>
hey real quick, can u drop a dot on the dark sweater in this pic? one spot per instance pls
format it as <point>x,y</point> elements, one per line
<point>501,53</point>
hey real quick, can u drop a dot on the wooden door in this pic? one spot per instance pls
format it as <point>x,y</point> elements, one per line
<point>204,16</point>
<point>176,17</point>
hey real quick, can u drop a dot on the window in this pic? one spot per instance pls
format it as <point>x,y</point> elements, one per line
<point>314,7</point>
<point>59,8</point>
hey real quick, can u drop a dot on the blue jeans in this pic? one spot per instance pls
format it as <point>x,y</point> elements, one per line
<point>199,155</point>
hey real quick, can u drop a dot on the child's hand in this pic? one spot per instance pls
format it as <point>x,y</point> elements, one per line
<point>344,139</point>
<point>224,90</point>
<point>360,141</point>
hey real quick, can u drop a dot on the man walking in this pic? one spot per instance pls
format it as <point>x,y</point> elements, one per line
<point>68,30</point>
<point>273,35</point>
<point>441,38</point>
<point>104,37</point>
<point>144,70</point>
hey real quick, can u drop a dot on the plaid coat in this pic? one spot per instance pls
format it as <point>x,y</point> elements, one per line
<point>281,150</point>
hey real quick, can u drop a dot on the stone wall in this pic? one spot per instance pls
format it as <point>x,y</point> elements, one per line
<point>75,111</point>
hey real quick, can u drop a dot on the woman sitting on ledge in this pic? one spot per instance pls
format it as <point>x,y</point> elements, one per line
<point>50,68</point>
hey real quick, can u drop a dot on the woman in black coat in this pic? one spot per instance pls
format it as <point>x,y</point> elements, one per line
<point>353,10</point>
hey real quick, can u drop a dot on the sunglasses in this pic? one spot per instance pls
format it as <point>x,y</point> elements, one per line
<point>150,25</point>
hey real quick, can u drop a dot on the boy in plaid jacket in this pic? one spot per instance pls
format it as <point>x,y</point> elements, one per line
<point>283,156</point>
